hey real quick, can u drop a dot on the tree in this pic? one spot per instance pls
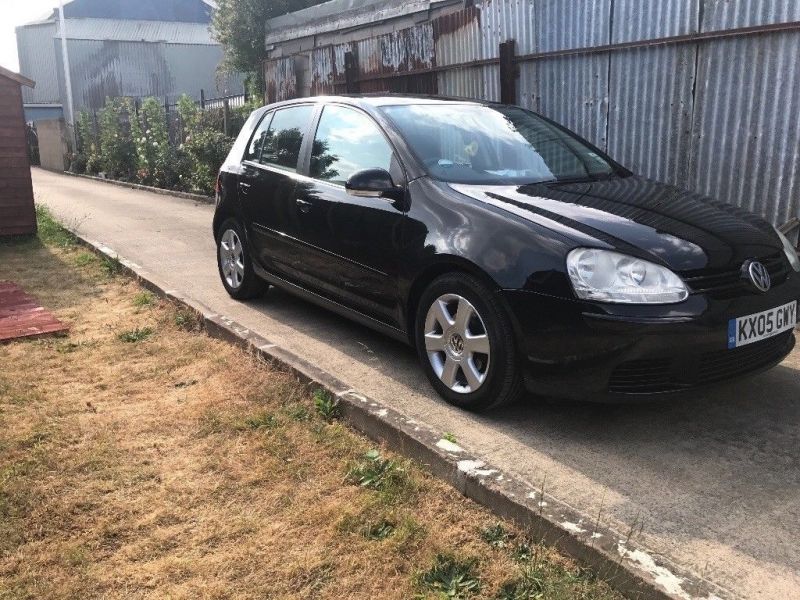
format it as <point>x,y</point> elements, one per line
<point>240,26</point>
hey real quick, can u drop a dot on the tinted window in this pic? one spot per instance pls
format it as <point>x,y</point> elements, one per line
<point>469,143</point>
<point>254,149</point>
<point>285,136</point>
<point>347,141</point>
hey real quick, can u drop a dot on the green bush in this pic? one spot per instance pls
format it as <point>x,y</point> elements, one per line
<point>118,157</point>
<point>154,164</point>
<point>204,147</point>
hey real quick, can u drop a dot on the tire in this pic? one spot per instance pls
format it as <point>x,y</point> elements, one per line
<point>235,265</point>
<point>486,372</point>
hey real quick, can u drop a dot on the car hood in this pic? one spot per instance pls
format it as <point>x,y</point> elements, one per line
<point>684,230</point>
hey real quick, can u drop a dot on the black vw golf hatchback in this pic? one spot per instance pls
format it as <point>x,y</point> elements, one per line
<point>508,251</point>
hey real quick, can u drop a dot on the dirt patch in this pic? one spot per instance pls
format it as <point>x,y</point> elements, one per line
<point>140,458</point>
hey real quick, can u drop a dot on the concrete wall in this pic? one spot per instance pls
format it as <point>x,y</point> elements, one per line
<point>52,143</point>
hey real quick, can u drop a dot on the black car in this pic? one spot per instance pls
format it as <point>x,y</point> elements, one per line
<point>506,249</point>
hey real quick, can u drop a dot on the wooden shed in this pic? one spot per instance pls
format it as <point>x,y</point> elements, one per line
<point>17,215</point>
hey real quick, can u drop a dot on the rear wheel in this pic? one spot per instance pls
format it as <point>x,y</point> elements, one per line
<point>465,343</point>
<point>235,264</point>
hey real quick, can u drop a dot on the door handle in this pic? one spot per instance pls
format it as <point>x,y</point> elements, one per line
<point>303,205</point>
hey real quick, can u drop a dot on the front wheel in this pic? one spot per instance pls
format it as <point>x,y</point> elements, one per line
<point>235,264</point>
<point>465,343</point>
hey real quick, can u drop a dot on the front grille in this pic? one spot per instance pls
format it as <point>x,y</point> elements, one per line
<point>728,283</point>
<point>653,376</point>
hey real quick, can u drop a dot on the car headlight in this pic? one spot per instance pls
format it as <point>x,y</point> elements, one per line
<point>606,276</point>
<point>791,251</point>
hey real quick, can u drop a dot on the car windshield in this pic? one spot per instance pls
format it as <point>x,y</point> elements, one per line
<point>469,143</point>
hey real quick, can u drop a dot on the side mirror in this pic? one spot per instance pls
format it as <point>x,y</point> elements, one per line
<point>370,183</point>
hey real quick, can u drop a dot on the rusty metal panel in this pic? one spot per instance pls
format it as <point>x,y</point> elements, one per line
<point>281,78</point>
<point>328,69</point>
<point>397,52</point>
<point>458,40</point>
<point>746,137</point>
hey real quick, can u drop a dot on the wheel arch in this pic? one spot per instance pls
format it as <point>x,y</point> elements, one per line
<point>442,266</point>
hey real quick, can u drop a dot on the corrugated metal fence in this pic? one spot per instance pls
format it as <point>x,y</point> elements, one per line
<point>701,93</point>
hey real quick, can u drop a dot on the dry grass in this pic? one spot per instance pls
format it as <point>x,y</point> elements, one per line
<point>171,465</point>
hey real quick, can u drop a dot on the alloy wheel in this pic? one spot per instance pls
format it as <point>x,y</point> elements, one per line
<point>231,258</point>
<point>457,343</point>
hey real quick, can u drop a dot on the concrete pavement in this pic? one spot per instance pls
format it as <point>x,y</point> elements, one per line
<point>715,479</point>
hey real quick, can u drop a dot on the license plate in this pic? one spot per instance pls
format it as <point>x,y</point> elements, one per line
<point>763,325</point>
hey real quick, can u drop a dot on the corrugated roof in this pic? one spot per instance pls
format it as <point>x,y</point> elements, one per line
<point>180,11</point>
<point>343,14</point>
<point>139,31</point>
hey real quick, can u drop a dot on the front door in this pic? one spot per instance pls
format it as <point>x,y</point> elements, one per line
<point>352,243</point>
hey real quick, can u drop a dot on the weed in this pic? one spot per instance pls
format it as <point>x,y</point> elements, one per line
<point>523,553</point>
<point>51,232</point>
<point>84,259</point>
<point>111,265</point>
<point>262,420</point>
<point>451,577</point>
<point>70,347</point>
<point>528,586</point>
<point>143,299</point>
<point>496,536</point>
<point>379,530</point>
<point>135,336</point>
<point>450,437</point>
<point>327,406</point>
<point>187,320</point>
<point>373,472</point>
<point>298,412</point>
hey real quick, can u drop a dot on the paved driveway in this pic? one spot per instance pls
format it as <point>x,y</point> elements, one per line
<point>715,479</point>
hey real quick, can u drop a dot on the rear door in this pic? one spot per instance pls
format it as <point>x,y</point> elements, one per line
<point>352,243</point>
<point>267,188</point>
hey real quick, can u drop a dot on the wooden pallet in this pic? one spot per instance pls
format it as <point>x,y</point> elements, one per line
<point>22,316</point>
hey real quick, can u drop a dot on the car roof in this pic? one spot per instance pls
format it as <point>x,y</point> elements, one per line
<point>386,99</point>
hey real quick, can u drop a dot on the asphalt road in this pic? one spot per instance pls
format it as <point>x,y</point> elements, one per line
<point>715,478</point>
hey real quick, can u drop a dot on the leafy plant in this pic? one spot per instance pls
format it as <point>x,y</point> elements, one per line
<point>379,530</point>
<point>188,320</point>
<point>496,536</point>
<point>373,471</point>
<point>450,437</point>
<point>327,406</point>
<point>135,335</point>
<point>143,299</point>
<point>118,149</point>
<point>204,147</point>
<point>154,165</point>
<point>451,577</point>
<point>263,420</point>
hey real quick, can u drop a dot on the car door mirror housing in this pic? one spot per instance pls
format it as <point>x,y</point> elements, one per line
<point>370,183</point>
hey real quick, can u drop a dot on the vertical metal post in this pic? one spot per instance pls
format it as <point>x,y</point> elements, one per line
<point>202,99</point>
<point>226,116</point>
<point>67,78</point>
<point>350,73</point>
<point>508,73</point>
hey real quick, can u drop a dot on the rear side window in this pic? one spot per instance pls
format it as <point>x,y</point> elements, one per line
<point>347,141</point>
<point>284,137</point>
<point>254,149</point>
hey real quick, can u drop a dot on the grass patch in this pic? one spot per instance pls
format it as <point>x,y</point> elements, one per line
<point>185,467</point>
<point>496,536</point>
<point>144,299</point>
<point>51,232</point>
<point>134,336</point>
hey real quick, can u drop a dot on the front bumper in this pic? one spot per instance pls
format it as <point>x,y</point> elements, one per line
<point>610,353</point>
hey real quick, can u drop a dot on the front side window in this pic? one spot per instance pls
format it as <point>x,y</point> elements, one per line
<point>471,143</point>
<point>347,141</point>
<point>285,136</point>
